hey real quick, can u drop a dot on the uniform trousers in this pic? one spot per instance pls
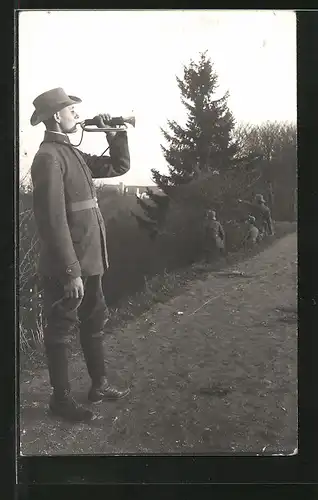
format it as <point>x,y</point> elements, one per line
<point>61,322</point>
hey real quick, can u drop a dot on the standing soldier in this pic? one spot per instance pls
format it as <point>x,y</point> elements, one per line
<point>73,254</point>
<point>262,214</point>
<point>265,215</point>
<point>214,236</point>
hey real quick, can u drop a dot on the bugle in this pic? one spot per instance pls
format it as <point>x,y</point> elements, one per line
<point>116,124</point>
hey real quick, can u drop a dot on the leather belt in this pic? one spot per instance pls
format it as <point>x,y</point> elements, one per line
<point>83,205</point>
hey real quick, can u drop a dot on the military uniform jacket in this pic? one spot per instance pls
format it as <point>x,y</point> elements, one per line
<point>214,232</point>
<point>214,229</point>
<point>253,234</point>
<point>70,225</point>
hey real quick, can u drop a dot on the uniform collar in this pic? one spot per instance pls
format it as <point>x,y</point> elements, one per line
<point>51,136</point>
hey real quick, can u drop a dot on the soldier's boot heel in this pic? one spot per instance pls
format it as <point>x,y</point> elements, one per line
<point>65,406</point>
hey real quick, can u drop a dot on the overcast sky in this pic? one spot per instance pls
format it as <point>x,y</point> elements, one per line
<point>119,61</point>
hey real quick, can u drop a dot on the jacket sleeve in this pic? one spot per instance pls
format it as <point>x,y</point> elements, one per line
<point>118,163</point>
<point>249,203</point>
<point>50,214</point>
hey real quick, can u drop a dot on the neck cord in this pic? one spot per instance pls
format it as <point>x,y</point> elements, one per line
<point>77,145</point>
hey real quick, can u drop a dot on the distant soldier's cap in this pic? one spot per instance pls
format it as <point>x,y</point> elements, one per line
<point>49,103</point>
<point>211,213</point>
<point>251,218</point>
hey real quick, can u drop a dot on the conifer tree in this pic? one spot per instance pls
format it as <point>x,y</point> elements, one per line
<point>204,144</point>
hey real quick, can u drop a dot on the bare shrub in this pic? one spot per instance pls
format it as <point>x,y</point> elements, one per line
<point>30,296</point>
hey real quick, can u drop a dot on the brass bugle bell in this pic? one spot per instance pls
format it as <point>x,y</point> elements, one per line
<point>91,125</point>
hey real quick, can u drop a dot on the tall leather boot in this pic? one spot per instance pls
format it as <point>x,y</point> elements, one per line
<point>93,351</point>
<point>61,403</point>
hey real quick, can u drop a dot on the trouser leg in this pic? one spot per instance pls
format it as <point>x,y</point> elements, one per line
<point>57,335</point>
<point>92,315</point>
<point>270,226</point>
<point>212,251</point>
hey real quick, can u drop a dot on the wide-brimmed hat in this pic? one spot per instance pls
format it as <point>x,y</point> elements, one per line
<point>51,102</point>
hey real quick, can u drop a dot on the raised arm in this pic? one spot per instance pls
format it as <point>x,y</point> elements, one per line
<point>250,203</point>
<point>114,165</point>
<point>50,214</point>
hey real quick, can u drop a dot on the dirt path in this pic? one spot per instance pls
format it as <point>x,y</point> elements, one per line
<point>220,377</point>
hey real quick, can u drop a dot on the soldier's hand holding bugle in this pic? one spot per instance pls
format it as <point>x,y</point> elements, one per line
<point>102,121</point>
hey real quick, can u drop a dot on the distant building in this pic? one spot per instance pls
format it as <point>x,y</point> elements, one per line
<point>140,191</point>
<point>137,190</point>
<point>144,195</point>
<point>121,188</point>
<point>109,187</point>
